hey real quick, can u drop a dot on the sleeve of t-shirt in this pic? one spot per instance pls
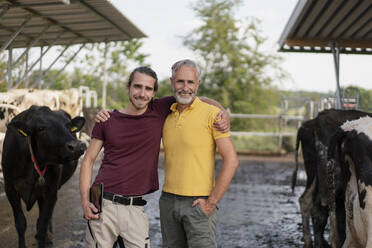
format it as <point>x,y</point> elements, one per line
<point>98,131</point>
<point>163,104</point>
<point>216,134</point>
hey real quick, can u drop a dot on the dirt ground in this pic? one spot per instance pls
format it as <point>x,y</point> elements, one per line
<point>257,211</point>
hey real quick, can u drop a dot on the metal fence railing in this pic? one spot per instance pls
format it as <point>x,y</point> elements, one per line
<point>282,123</point>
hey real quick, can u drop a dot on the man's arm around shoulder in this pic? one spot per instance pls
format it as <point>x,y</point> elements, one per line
<point>222,121</point>
<point>230,163</point>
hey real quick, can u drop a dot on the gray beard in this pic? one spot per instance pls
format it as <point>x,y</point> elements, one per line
<point>184,101</point>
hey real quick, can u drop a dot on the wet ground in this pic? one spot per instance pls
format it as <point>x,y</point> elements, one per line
<point>257,211</point>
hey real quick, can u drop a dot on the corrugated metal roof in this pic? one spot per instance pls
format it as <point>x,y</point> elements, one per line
<point>315,24</point>
<point>81,21</point>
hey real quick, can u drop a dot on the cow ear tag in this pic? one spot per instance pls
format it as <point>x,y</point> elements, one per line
<point>22,132</point>
<point>73,129</point>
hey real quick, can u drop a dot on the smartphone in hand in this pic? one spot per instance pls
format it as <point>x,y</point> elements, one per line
<point>96,196</point>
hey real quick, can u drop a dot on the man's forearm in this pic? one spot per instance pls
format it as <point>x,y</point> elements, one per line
<point>211,102</point>
<point>86,168</point>
<point>223,181</point>
<point>85,180</point>
<point>222,121</point>
<point>230,163</point>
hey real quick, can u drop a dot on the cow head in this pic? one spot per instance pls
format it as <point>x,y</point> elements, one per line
<point>52,134</point>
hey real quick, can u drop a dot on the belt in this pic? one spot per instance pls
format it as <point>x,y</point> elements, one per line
<point>171,195</point>
<point>125,200</point>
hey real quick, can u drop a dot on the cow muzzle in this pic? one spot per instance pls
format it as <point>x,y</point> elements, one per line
<point>76,148</point>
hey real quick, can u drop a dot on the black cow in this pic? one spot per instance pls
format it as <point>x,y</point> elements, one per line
<point>314,136</point>
<point>350,152</point>
<point>40,153</point>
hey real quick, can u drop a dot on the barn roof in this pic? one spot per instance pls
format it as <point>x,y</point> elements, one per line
<point>315,24</point>
<point>62,22</point>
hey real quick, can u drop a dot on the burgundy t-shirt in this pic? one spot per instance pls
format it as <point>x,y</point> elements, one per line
<point>131,149</point>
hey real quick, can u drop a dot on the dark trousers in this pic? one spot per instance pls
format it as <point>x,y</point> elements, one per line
<point>184,226</point>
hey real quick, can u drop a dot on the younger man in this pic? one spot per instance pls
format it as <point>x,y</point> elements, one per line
<point>131,138</point>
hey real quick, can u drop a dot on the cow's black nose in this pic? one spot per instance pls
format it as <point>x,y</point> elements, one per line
<point>76,146</point>
<point>82,147</point>
<point>70,147</point>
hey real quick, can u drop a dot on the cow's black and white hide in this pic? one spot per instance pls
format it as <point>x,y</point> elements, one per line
<point>314,137</point>
<point>351,151</point>
<point>51,137</point>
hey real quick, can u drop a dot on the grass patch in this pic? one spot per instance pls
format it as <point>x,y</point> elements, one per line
<point>259,143</point>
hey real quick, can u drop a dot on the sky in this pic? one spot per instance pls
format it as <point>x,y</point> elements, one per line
<point>166,21</point>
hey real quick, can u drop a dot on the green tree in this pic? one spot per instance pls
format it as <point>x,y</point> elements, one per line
<point>3,67</point>
<point>235,70</point>
<point>365,96</point>
<point>365,102</point>
<point>164,88</point>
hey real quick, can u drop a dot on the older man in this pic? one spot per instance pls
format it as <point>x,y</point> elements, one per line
<point>188,204</point>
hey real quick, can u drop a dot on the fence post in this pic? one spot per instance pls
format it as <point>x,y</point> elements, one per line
<point>282,122</point>
<point>311,110</point>
<point>280,137</point>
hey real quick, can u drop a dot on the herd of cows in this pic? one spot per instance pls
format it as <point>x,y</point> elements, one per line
<point>41,151</point>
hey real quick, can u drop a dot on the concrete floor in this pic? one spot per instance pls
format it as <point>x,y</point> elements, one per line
<point>258,210</point>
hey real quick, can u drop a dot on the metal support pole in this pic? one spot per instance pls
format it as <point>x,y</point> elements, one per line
<point>10,56</point>
<point>50,66</point>
<point>67,63</point>
<point>32,66</point>
<point>5,9</point>
<point>41,67</point>
<point>336,58</point>
<point>26,69</point>
<point>33,42</point>
<point>15,34</point>
<point>104,82</point>
<point>357,101</point>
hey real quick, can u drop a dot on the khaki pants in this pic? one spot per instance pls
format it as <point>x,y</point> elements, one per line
<point>130,222</point>
<point>184,226</point>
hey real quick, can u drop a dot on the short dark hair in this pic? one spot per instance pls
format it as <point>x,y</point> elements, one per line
<point>144,70</point>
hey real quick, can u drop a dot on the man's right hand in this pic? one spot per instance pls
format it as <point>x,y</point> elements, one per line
<point>89,211</point>
<point>102,116</point>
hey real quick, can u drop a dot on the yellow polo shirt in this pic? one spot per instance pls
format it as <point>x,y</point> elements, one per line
<point>189,144</point>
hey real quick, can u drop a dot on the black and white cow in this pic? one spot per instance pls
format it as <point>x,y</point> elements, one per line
<point>40,153</point>
<point>351,151</point>
<point>314,137</point>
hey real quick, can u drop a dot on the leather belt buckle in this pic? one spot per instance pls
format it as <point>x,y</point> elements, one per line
<point>116,198</point>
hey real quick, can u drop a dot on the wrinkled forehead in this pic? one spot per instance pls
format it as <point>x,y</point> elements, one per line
<point>143,79</point>
<point>186,72</point>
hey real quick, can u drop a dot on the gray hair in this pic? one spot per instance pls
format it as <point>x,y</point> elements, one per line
<point>185,62</point>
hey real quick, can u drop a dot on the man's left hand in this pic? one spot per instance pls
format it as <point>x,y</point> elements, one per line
<point>222,122</point>
<point>206,206</point>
